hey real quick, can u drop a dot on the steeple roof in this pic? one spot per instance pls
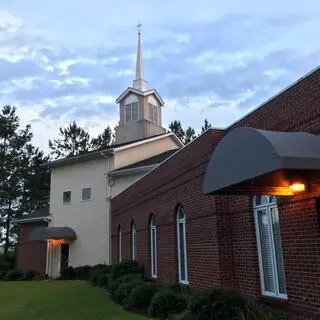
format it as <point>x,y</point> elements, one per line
<point>139,83</point>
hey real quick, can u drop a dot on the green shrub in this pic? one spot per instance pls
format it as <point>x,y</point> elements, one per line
<point>30,275</point>
<point>67,274</point>
<point>141,296</point>
<point>102,280</point>
<point>97,272</point>
<point>4,267</point>
<point>166,302</point>
<point>102,267</point>
<point>123,291</point>
<point>14,275</point>
<point>82,273</point>
<point>254,311</point>
<point>126,267</point>
<point>179,288</point>
<point>216,304</point>
<point>115,284</point>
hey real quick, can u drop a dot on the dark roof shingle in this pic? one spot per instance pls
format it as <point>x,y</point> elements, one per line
<point>38,213</point>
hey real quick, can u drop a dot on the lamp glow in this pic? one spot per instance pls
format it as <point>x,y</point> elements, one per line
<point>297,187</point>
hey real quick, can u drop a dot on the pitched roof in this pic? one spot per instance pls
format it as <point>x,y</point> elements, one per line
<point>97,153</point>
<point>157,159</point>
<point>37,214</point>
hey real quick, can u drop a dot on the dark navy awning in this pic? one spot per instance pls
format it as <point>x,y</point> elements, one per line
<point>52,233</point>
<point>251,161</point>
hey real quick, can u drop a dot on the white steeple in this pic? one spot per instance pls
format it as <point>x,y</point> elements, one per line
<point>139,83</point>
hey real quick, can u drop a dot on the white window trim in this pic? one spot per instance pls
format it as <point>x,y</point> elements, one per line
<point>66,202</point>
<point>134,241</point>
<point>119,245</point>
<point>183,221</point>
<point>276,294</point>
<point>124,111</point>
<point>154,254</point>
<point>89,199</point>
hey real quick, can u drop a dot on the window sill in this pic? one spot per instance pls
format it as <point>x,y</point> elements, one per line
<point>87,200</point>
<point>65,203</point>
<point>184,282</point>
<point>279,301</point>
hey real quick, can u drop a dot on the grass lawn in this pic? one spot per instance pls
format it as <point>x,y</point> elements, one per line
<point>58,300</point>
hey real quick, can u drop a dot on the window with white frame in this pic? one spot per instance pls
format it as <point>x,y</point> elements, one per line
<point>133,241</point>
<point>131,112</point>
<point>153,247</point>
<point>66,198</point>
<point>86,194</point>
<point>153,113</point>
<point>119,244</point>
<point>272,274</point>
<point>182,245</point>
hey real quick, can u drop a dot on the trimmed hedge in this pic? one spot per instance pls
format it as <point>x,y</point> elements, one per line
<point>67,274</point>
<point>115,284</point>
<point>122,293</point>
<point>126,267</point>
<point>82,273</point>
<point>220,304</point>
<point>166,302</point>
<point>102,280</point>
<point>99,275</point>
<point>254,311</point>
<point>140,297</point>
<point>14,275</point>
<point>30,275</point>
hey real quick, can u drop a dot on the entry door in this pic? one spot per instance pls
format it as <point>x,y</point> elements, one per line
<point>64,256</point>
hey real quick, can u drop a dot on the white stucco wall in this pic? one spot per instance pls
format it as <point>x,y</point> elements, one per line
<point>89,219</point>
<point>143,151</point>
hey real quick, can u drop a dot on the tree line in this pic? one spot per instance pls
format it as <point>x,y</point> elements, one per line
<point>25,181</point>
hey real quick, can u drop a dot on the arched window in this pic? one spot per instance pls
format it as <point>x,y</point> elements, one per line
<point>119,244</point>
<point>153,247</point>
<point>182,245</point>
<point>270,253</point>
<point>133,241</point>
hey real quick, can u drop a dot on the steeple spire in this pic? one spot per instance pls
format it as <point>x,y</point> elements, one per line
<point>139,83</point>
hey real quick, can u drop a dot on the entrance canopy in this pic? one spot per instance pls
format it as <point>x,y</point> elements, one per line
<point>252,161</point>
<point>52,233</point>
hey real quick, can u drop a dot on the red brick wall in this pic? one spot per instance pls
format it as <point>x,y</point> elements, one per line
<point>221,239</point>
<point>31,255</point>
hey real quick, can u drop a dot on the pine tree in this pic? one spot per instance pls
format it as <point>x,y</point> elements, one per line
<point>206,126</point>
<point>103,140</point>
<point>15,148</point>
<point>36,184</point>
<point>189,135</point>
<point>73,140</point>
<point>176,127</point>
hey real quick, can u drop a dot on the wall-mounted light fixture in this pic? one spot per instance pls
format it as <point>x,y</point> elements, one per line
<point>297,187</point>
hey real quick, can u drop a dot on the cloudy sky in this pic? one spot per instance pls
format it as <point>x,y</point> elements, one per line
<point>68,60</point>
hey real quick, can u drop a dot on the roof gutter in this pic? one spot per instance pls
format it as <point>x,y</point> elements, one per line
<point>78,158</point>
<point>36,219</point>
<point>129,171</point>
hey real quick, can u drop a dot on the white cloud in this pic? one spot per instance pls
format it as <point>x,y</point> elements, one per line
<point>218,65</point>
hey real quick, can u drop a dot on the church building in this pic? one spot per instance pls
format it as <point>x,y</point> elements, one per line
<point>236,208</point>
<point>75,229</point>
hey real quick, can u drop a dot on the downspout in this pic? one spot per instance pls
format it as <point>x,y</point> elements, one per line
<point>109,185</point>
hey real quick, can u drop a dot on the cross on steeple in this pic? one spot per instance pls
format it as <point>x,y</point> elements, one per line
<point>139,25</point>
